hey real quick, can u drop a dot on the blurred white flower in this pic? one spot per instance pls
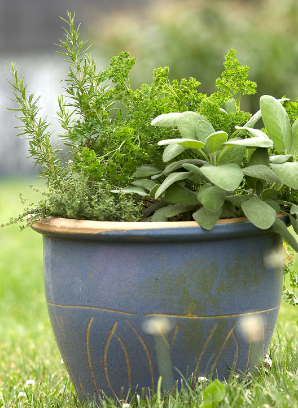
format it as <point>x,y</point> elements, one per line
<point>157,325</point>
<point>267,362</point>
<point>202,381</point>
<point>30,382</point>
<point>274,259</point>
<point>251,327</point>
<point>22,394</point>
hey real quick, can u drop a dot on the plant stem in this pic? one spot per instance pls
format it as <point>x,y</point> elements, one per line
<point>204,155</point>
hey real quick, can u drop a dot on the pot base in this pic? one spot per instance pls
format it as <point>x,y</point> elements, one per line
<point>116,354</point>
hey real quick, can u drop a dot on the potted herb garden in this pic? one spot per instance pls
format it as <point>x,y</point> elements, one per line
<point>168,212</point>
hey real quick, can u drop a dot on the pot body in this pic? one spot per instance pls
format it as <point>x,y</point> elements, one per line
<point>128,305</point>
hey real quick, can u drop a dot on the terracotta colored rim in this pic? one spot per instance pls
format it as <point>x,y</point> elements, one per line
<point>69,226</point>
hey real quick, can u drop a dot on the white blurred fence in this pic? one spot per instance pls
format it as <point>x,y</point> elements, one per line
<point>43,74</point>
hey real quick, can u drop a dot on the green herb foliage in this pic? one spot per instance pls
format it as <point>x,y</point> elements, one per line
<point>107,127</point>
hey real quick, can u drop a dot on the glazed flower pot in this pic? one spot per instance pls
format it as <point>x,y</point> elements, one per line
<point>216,294</point>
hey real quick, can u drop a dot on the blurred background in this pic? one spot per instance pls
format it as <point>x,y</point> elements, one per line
<point>190,36</point>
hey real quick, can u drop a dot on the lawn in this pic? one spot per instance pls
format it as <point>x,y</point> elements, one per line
<point>31,371</point>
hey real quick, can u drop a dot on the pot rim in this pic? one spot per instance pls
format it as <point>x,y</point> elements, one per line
<point>74,226</point>
<point>101,230</point>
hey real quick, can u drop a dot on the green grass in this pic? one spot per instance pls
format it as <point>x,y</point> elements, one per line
<point>28,350</point>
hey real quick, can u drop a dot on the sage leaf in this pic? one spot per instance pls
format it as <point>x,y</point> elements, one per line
<point>252,142</point>
<point>205,218</point>
<point>226,176</point>
<point>269,194</point>
<point>171,151</point>
<point>274,205</point>
<point>153,190</point>
<point>159,215</point>
<point>294,224</point>
<point>259,188</point>
<point>262,172</point>
<point>172,178</point>
<point>203,129</point>
<point>277,122</point>
<point>147,219</point>
<point>253,132</point>
<point>197,173</point>
<point>294,209</point>
<point>281,228</point>
<point>237,199</point>
<point>253,120</point>
<point>173,210</point>
<point>232,154</point>
<point>281,158</point>
<point>283,99</point>
<point>146,170</point>
<point>215,141</point>
<point>228,210</point>
<point>145,184</point>
<point>131,190</point>
<point>258,212</point>
<point>187,124</point>
<point>178,194</point>
<point>294,145</point>
<point>166,119</point>
<point>259,156</point>
<point>211,197</point>
<point>231,106</point>
<point>153,207</point>
<point>257,116</point>
<point>156,176</point>
<point>179,164</point>
<point>193,144</point>
<point>198,178</point>
<point>287,173</point>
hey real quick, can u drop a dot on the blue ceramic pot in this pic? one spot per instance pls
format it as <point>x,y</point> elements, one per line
<point>131,301</point>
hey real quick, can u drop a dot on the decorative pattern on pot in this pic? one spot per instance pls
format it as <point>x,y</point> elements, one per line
<point>215,291</point>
